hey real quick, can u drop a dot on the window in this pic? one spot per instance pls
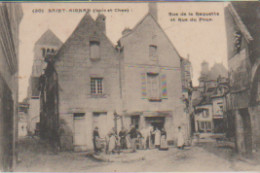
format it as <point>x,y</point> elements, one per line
<point>94,50</point>
<point>43,52</point>
<point>153,86</point>
<point>205,126</point>
<point>205,113</point>
<point>96,85</point>
<point>153,52</point>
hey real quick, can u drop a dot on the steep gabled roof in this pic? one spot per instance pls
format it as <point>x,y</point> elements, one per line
<point>49,38</point>
<point>240,23</point>
<point>249,14</point>
<point>89,21</point>
<point>141,21</point>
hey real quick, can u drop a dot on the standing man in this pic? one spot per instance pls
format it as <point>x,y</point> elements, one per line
<point>122,135</point>
<point>133,137</point>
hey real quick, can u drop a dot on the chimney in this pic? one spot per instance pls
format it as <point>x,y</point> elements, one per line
<point>101,22</point>
<point>153,9</point>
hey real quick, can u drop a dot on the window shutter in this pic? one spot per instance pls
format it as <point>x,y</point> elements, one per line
<point>143,79</point>
<point>164,86</point>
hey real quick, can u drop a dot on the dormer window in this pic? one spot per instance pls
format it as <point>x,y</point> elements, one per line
<point>153,52</point>
<point>94,50</point>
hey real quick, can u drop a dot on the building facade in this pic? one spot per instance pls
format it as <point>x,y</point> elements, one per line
<point>209,99</point>
<point>10,18</point>
<point>243,59</point>
<point>151,77</point>
<point>87,67</point>
<point>105,86</point>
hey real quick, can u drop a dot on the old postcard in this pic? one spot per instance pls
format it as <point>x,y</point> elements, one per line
<point>129,86</point>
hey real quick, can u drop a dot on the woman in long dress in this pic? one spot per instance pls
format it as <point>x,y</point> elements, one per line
<point>180,142</point>
<point>157,140</point>
<point>111,141</point>
<point>164,145</point>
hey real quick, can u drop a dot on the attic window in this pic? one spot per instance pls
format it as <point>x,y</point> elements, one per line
<point>153,52</point>
<point>94,50</point>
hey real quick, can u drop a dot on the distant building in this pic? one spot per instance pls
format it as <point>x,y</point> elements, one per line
<point>48,43</point>
<point>10,17</point>
<point>92,83</point>
<point>209,99</point>
<point>23,119</point>
<point>242,27</point>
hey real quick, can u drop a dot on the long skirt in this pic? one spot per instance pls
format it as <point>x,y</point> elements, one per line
<point>164,145</point>
<point>112,143</point>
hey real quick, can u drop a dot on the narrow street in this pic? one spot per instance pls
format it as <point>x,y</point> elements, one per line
<point>206,157</point>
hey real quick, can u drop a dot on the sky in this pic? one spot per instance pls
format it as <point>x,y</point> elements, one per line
<point>200,40</point>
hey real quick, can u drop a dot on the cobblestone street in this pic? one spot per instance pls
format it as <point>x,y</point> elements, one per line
<point>197,158</point>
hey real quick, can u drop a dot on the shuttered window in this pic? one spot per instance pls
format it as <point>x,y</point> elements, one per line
<point>164,86</point>
<point>154,86</point>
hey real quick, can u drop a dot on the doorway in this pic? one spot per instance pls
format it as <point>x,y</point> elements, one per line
<point>100,121</point>
<point>156,122</point>
<point>79,129</point>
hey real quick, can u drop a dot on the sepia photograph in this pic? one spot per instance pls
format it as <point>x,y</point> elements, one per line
<point>130,86</point>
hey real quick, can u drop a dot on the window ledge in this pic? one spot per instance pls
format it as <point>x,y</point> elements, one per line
<point>98,95</point>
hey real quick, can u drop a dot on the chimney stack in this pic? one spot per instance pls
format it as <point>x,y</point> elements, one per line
<point>153,9</point>
<point>101,22</point>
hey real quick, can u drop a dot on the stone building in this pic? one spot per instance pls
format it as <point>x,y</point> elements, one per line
<point>87,67</point>
<point>10,17</point>
<point>150,69</point>
<point>209,99</point>
<point>48,43</point>
<point>94,81</point>
<point>242,23</point>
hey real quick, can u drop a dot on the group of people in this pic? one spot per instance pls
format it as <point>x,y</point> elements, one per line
<point>145,138</point>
